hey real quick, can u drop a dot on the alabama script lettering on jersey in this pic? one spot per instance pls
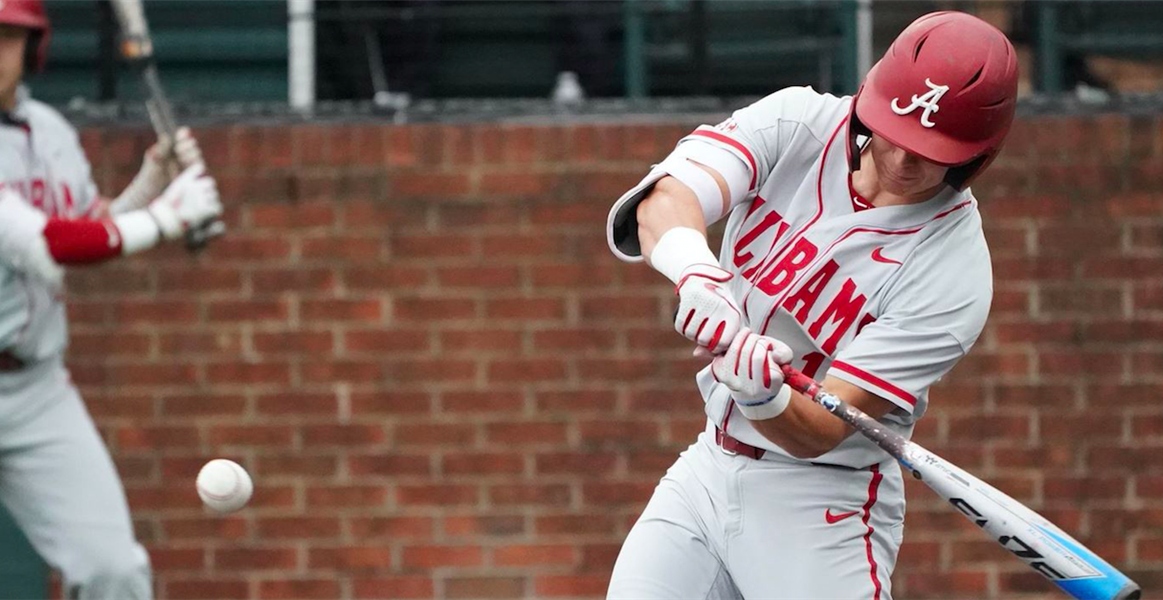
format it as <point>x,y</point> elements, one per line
<point>42,160</point>
<point>886,298</point>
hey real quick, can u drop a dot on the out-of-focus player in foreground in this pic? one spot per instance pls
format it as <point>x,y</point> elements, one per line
<point>56,477</point>
<point>853,251</point>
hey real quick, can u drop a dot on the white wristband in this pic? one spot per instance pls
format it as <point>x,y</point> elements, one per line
<point>139,231</point>
<point>678,249</point>
<point>768,409</point>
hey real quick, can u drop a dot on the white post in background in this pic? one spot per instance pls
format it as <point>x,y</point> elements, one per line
<point>863,39</point>
<point>301,54</point>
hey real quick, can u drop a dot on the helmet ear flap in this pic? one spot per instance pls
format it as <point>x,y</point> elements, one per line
<point>958,177</point>
<point>855,130</point>
<point>32,62</point>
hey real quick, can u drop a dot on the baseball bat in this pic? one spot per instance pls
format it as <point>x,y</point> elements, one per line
<point>1043,546</point>
<point>137,48</point>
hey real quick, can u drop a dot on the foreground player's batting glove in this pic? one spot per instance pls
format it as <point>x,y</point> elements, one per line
<point>707,314</point>
<point>751,370</point>
<point>162,162</point>
<point>189,202</point>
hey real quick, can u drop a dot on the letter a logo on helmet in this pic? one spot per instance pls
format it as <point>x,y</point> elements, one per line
<point>928,102</point>
<point>964,117</point>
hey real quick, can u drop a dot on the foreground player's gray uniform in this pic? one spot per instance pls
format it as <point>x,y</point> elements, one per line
<point>888,299</point>
<point>56,477</point>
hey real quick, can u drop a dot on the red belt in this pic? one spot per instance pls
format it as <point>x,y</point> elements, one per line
<point>731,445</point>
<point>10,362</point>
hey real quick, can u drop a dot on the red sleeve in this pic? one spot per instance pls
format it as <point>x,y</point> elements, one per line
<point>83,241</point>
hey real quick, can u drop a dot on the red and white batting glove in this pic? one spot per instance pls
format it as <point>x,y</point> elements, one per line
<point>751,370</point>
<point>707,313</point>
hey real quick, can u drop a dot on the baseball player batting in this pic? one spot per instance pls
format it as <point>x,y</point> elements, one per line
<point>853,252</point>
<point>56,477</point>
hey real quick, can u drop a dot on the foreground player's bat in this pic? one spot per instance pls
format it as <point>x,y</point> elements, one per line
<point>137,48</point>
<point>1029,536</point>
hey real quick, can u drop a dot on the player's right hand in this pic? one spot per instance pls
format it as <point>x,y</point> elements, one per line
<point>707,313</point>
<point>751,367</point>
<point>189,202</point>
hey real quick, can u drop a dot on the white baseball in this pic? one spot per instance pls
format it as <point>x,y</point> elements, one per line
<point>224,486</point>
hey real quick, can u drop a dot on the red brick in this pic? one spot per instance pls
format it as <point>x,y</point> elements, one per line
<point>402,587</point>
<point>472,341</point>
<point>520,433</point>
<point>349,557</point>
<point>430,184</point>
<point>557,586</point>
<point>623,493</point>
<point>296,465</point>
<point>483,525</point>
<point>255,558</point>
<point>348,496</point>
<point>272,373</point>
<point>342,310</point>
<point>479,277</point>
<point>366,528</point>
<point>294,342</point>
<point>526,555</point>
<point>480,463</point>
<point>485,587</point>
<point>428,557</point>
<point>523,370</point>
<point>352,435</point>
<point>437,495</point>
<point>250,435</point>
<point>529,495</point>
<point>386,403</point>
<point>390,465</point>
<point>293,589</point>
<point>297,527</point>
<point>204,528</point>
<point>492,402</point>
<point>297,403</point>
<point>421,309</point>
<point>205,588</point>
<point>525,309</point>
<point>301,215</point>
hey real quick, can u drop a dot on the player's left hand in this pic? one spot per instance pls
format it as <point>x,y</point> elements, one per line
<point>707,313</point>
<point>751,368</point>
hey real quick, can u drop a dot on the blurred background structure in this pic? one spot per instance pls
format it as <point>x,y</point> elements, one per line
<point>406,336</point>
<point>246,51</point>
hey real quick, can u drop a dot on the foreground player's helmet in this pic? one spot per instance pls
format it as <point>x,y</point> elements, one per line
<point>945,90</point>
<point>29,14</point>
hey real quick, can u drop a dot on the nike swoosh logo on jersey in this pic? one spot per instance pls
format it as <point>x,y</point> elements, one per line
<point>833,519</point>
<point>878,257</point>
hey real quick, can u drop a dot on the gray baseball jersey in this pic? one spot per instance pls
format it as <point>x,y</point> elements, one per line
<point>56,477</point>
<point>886,298</point>
<point>41,159</point>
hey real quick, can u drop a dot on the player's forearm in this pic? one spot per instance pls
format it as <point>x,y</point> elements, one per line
<point>805,429</point>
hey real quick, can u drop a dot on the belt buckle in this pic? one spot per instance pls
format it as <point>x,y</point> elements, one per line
<point>721,439</point>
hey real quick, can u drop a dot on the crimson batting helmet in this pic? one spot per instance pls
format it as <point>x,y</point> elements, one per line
<point>29,14</point>
<point>946,91</point>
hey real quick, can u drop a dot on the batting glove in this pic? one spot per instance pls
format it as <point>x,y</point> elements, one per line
<point>190,202</point>
<point>707,314</point>
<point>751,370</point>
<point>163,161</point>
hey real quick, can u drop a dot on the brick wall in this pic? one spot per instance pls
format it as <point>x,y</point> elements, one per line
<point>445,387</point>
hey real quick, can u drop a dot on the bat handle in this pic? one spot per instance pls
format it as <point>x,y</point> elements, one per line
<point>800,382</point>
